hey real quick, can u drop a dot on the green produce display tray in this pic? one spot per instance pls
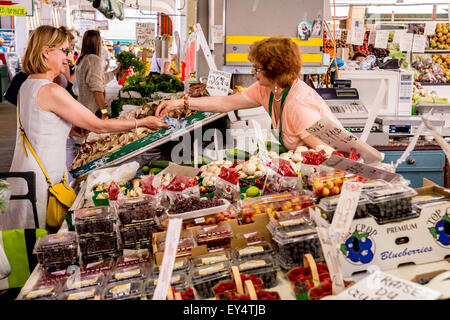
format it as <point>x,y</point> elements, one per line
<point>147,143</point>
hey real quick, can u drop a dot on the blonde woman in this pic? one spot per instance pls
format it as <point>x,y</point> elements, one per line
<point>48,113</point>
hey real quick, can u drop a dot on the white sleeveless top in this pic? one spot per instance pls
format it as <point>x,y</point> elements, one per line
<point>47,134</point>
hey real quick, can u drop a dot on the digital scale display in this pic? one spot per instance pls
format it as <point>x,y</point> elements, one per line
<point>346,93</point>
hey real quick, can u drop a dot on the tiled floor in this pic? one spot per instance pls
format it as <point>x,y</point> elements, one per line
<point>7,134</point>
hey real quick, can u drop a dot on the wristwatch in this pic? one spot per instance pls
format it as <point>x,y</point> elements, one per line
<point>104,111</point>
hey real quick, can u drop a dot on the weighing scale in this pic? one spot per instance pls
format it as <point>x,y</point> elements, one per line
<point>405,125</point>
<point>351,112</point>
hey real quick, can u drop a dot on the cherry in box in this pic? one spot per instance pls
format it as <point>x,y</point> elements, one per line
<point>264,268</point>
<point>136,232</point>
<point>210,259</point>
<point>328,207</point>
<point>137,210</point>
<point>139,272</point>
<point>90,245</point>
<point>179,266</point>
<point>204,278</point>
<point>216,237</point>
<point>252,252</point>
<point>104,265</point>
<point>57,251</point>
<point>94,220</point>
<point>178,281</point>
<point>42,292</point>
<point>185,243</point>
<point>87,293</point>
<point>291,221</point>
<point>124,290</point>
<point>78,281</point>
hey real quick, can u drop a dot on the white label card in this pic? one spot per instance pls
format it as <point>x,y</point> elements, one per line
<point>329,249</point>
<point>372,36</point>
<point>383,286</point>
<point>358,36</point>
<point>145,35</point>
<point>419,43</point>
<point>381,39</point>
<point>349,37</point>
<point>336,136</point>
<point>217,33</point>
<point>218,83</point>
<point>430,28</point>
<point>170,252</point>
<point>345,210</point>
<point>360,169</point>
<point>398,35</point>
<point>406,41</point>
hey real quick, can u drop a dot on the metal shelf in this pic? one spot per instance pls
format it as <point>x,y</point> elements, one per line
<point>168,135</point>
<point>432,51</point>
<point>434,84</point>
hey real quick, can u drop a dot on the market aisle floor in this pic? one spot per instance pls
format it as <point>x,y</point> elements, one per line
<point>7,134</point>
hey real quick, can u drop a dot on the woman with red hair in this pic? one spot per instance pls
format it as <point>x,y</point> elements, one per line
<point>292,105</point>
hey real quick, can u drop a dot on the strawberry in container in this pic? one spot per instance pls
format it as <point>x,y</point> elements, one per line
<point>325,289</point>
<point>309,275</point>
<point>281,176</point>
<point>181,188</point>
<point>226,289</point>
<point>227,184</point>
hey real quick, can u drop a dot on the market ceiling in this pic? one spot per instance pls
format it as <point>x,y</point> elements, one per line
<point>164,6</point>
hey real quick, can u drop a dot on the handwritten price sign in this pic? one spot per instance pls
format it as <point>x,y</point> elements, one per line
<point>346,207</point>
<point>218,83</point>
<point>145,35</point>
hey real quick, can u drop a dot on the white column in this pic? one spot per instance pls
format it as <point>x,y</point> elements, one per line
<point>21,34</point>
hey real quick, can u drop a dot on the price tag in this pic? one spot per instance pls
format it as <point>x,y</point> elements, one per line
<point>372,36</point>
<point>336,136</point>
<point>360,169</point>
<point>358,36</point>
<point>398,35</point>
<point>349,37</point>
<point>406,41</point>
<point>218,83</point>
<point>383,286</point>
<point>345,210</point>
<point>145,35</point>
<point>430,28</point>
<point>330,250</point>
<point>170,252</point>
<point>419,43</point>
<point>381,39</point>
<point>217,33</point>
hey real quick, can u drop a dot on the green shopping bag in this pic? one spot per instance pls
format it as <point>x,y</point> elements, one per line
<point>18,245</point>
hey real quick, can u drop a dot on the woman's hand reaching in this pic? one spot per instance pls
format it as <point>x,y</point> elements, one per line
<point>153,123</point>
<point>167,106</point>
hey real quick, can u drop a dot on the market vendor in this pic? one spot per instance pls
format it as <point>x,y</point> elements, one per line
<point>292,105</point>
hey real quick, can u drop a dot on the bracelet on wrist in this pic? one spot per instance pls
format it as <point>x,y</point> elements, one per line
<point>186,103</point>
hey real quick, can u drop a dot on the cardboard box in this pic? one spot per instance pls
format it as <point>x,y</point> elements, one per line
<point>398,243</point>
<point>259,225</point>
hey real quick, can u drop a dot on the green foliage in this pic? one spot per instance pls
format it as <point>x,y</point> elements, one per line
<point>128,59</point>
<point>146,86</point>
